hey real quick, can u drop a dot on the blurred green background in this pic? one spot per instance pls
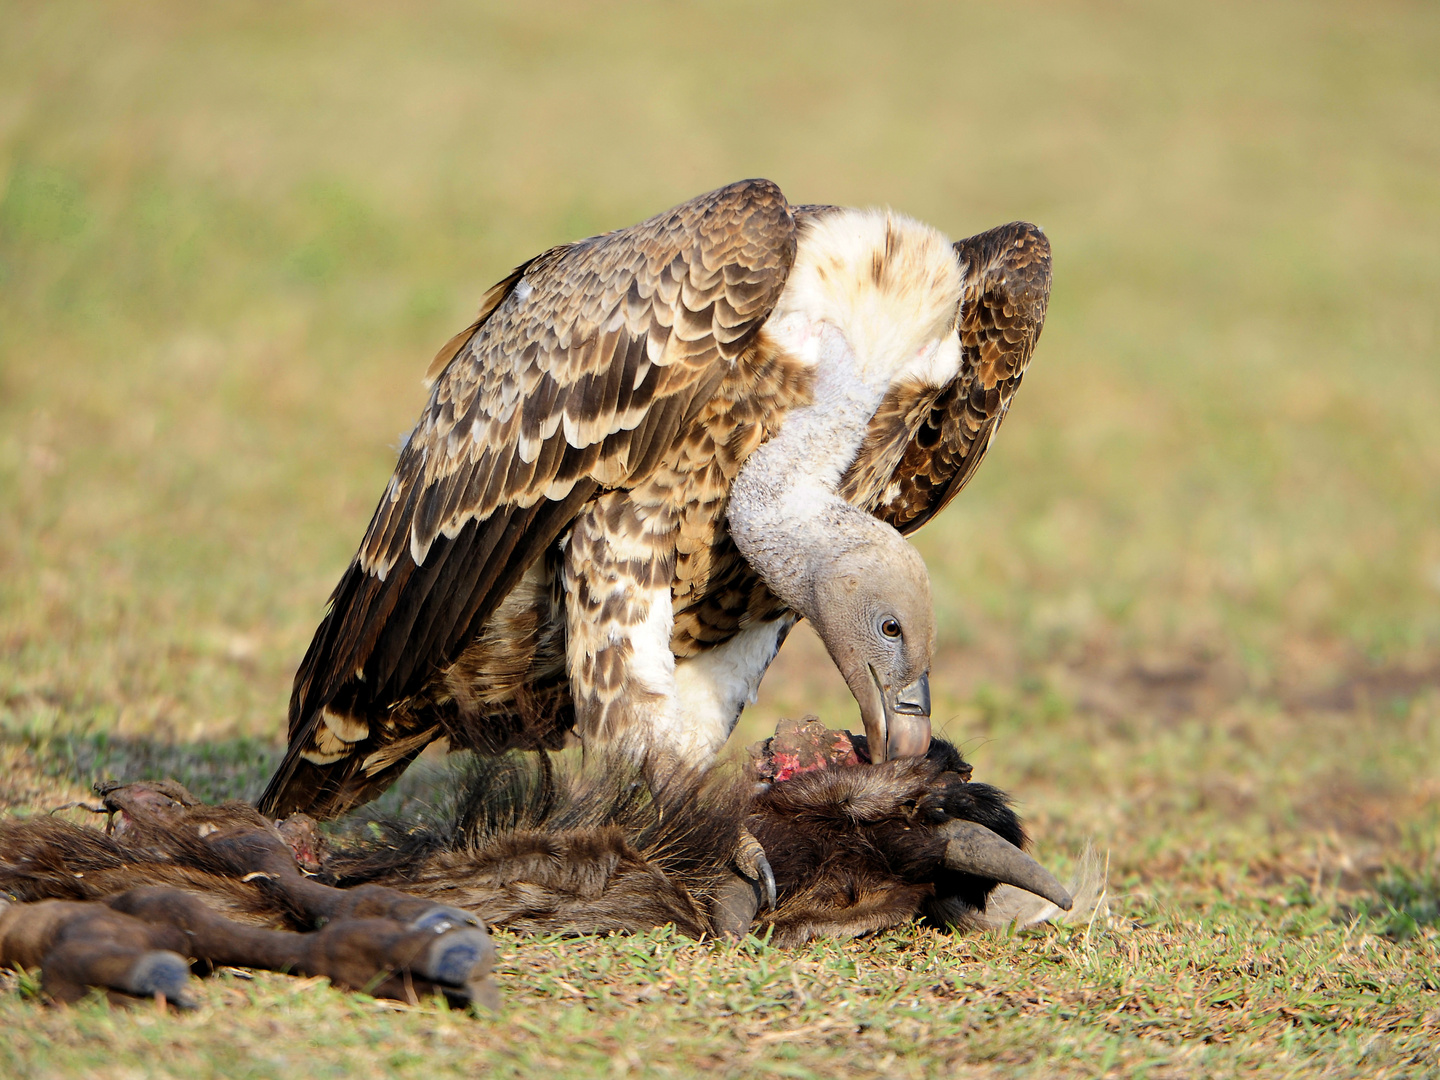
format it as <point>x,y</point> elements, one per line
<point>233,234</point>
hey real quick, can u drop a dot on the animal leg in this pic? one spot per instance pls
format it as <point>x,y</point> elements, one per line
<point>371,938</point>
<point>263,859</point>
<point>382,956</point>
<point>364,932</point>
<point>137,943</point>
<point>77,945</point>
<point>244,845</point>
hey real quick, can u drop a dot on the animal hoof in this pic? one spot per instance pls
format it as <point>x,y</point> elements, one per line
<point>441,920</point>
<point>160,972</point>
<point>461,960</point>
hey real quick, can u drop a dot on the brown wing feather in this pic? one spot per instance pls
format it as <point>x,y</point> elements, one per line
<point>924,445</point>
<point>585,365</point>
<point>488,303</point>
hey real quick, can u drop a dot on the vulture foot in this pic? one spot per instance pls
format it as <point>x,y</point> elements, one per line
<point>745,891</point>
<point>750,860</point>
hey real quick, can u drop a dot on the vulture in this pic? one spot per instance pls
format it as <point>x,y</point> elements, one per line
<point>653,452</point>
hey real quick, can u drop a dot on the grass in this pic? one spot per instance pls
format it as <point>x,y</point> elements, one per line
<point>1189,610</point>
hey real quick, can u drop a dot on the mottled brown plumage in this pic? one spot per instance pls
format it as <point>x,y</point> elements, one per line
<point>571,471</point>
<point>923,448</point>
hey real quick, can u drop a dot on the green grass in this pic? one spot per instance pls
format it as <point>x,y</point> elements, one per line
<point>1274,986</point>
<point>1189,609</point>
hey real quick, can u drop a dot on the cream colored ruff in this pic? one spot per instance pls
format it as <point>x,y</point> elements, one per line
<point>890,284</point>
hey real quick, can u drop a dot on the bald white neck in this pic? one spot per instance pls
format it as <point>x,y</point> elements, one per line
<point>785,514</point>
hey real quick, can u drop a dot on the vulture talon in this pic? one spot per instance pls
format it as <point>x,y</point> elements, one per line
<point>751,861</point>
<point>767,877</point>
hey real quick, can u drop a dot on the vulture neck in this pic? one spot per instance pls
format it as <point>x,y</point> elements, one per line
<point>870,303</point>
<point>785,514</point>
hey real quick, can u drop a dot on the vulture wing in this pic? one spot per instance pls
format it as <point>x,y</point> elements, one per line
<point>584,366</point>
<point>924,445</point>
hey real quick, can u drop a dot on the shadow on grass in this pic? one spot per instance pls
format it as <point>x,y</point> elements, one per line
<point>213,769</point>
<point>1404,903</point>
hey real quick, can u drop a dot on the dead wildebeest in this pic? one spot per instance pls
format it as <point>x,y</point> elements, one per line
<point>855,847</point>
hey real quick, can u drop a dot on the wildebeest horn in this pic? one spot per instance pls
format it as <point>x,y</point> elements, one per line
<point>972,848</point>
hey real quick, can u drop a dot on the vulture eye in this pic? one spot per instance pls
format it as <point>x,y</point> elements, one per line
<point>890,628</point>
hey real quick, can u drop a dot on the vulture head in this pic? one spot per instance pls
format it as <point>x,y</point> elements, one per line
<point>870,604</point>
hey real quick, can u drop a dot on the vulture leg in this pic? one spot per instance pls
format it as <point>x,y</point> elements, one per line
<point>619,565</point>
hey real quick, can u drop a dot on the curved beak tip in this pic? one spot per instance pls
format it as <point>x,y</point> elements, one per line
<point>908,720</point>
<point>897,723</point>
<point>914,700</point>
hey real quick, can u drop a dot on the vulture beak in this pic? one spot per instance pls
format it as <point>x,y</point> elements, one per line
<point>897,722</point>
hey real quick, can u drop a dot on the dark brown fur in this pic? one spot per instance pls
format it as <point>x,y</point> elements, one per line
<point>523,845</point>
